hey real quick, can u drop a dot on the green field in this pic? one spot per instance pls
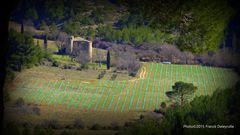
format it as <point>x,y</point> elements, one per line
<point>143,93</point>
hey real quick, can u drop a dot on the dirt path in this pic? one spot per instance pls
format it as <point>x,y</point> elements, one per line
<point>141,75</point>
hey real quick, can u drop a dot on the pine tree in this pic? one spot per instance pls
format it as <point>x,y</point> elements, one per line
<point>108,60</point>
<point>181,92</point>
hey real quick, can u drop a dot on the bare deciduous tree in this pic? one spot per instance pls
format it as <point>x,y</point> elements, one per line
<point>188,57</point>
<point>61,41</point>
<point>82,58</point>
<point>99,57</point>
<point>128,61</point>
<point>170,53</point>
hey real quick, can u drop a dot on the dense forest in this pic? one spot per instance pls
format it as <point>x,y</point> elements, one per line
<point>182,32</point>
<point>196,26</point>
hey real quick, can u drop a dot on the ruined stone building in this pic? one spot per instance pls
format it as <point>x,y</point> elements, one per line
<point>77,44</point>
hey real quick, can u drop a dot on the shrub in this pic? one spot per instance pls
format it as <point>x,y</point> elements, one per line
<point>115,126</point>
<point>156,110</point>
<point>133,67</point>
<point>141,116</point>
<point>96,127</point>
<point>101,75</point>
<point>79,68</point>
<point>55,64</point>
<point>48,56</point>
<point>46,62</point>
<point>39,131</point>
<point>78,123</point>
<point>69,126</point>
<point>6,97</point>
<point>23,110</point>
<point>66,66</point>
<point>36,110</point>
<point>64,132</point>
<point>19,102</point>
<point>81,57</point>
<point>85,66</point>
<point>49,131</point>
<point>11,129</point>
<point>163,105</point>
<point>10,74</point>
<point>128,124</point>
<point>113,77</point>
<point>27,124</point>
<point>128,61</point>
<point>52,124</point>
<point>26,131</point>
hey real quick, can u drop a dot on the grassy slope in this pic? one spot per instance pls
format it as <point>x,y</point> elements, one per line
<point>82,95</point>
<point>27,28</point>
<point>158,79</point>
<point>81,91</point>
<point>51,44</point>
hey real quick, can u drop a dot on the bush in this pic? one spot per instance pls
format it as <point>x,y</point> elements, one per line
<point>52,124</point>
<point>133,68</point>
<point>10,74</point>
<point>113,77</point>
<point>64,132</point>
<point>66,66</point>
<point>85,66</point>
<point>36,110</point>
<point>26,131</point>
<point>79,68</point>
<point>96,127</point>
<point>69,126</point>
<point>156,110</point>
<point>19,102</point>
<point>6,97</point>
<point>141,116</point>
<point>49,131</point>
<point>128,124</point>
<point>128,61</point>
<point>163,105</point>
<point>48,56</point>
<point>11,129</point>
<point>38,131</point>
<point>78,123</point>
<point>101,75</point>
<point>55,64</point>
<point>26,124</point>
<point>115,126</point>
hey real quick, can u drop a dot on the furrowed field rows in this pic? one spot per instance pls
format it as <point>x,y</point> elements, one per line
<point>142,93</point>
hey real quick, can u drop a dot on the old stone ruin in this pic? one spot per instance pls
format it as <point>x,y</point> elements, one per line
<point>77,44</point>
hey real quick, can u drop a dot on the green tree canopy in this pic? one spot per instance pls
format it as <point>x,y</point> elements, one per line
<point>181,92</point>
<point>200,24</point>
<point>53,29</point>
<point>22,51</point>
<point>54,9</point>
<point>220,108</point>
<point>31,13</point>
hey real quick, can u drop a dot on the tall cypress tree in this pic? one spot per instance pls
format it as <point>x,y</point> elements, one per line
<point>108,60</point>
<point>45,42</point>
<point>22,28</point>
